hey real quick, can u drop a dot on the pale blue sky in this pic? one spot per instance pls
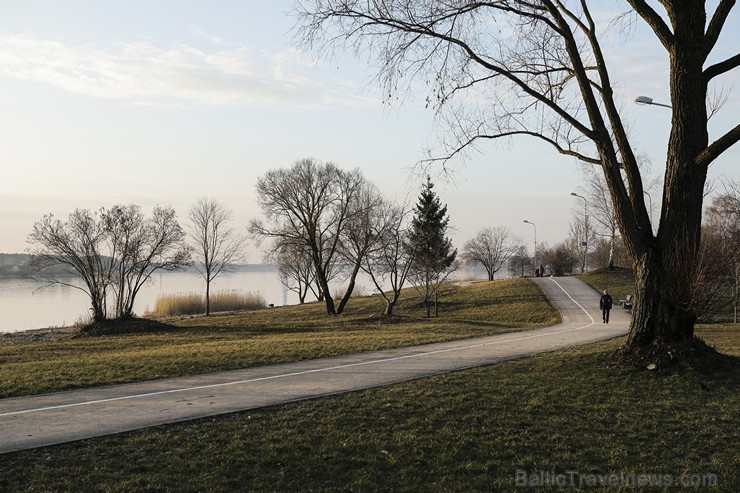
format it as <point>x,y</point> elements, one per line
<point>164,101</point>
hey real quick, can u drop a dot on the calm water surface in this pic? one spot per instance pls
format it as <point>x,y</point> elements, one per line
<point>24,305</point>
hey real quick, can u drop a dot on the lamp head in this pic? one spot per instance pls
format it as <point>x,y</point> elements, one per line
<point>643,100</point>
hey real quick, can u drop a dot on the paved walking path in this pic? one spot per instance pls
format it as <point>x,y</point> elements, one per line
<point>41,420</point>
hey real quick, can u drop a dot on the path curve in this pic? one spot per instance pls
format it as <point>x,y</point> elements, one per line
<point>41,420</point>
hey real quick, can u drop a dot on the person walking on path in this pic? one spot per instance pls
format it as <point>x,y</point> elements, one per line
<point>605,303</point>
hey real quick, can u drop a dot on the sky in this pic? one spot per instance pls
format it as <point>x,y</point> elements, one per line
<point>166,101</point>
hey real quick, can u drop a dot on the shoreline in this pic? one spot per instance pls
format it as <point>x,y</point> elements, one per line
<point>49,334</point>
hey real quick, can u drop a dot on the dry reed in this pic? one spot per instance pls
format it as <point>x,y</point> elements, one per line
<point>170,305</point>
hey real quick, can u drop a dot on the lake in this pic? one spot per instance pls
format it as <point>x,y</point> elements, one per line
<point>23,305</point>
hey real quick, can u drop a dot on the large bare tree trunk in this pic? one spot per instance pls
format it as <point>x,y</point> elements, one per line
<point>661,315</point>
<point>665,266</point>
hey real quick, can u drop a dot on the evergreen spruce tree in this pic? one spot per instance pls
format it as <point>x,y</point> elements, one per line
<point>428,245</point>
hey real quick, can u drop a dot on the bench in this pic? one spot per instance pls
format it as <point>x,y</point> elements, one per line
<point>627,302</point>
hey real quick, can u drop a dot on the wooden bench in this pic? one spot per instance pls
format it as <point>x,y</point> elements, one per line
<point>626,303</point>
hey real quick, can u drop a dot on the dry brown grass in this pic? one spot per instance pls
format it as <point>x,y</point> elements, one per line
<point>172,305</point>
<point>141,350</point>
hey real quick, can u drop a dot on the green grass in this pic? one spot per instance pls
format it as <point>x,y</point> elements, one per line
<point>221,342</point>
<point>570,410</point>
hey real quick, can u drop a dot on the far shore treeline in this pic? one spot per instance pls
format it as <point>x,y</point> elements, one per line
<point>13,265</point>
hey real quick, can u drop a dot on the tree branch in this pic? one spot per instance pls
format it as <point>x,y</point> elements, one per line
<point>653,20</point>
<point>428,31</point>
<point>721,67</point>
<point>716,24</point>
<point>717,147</point>
<point>635,206</point>
<point>552,142</point>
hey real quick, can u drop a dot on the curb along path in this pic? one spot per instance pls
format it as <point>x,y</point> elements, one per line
<point>36,421</point>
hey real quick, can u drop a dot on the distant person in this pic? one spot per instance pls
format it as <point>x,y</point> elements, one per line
<point>605,304</point>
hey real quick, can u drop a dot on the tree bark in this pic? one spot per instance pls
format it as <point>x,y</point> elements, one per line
<point>665,265</point>
<point>350,287</point>
<point>665,272</point>
<point>389,306</point>
<point>208,298</point>
<point>661,313</point>
<point>328,300</point>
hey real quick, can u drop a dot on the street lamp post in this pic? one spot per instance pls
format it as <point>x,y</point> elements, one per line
<point>535,243</point>
<point>585,229</point>
<point>647,100</point>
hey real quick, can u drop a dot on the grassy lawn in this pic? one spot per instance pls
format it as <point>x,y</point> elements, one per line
<point>268,336</point>
<point>570,410</point>
<point>571,415</point>
<point>619,282</point>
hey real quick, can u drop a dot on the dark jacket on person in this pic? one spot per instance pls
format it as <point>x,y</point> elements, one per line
<point>606,302</point>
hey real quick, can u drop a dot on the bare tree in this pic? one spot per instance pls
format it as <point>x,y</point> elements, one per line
<point>610,254</point>
<point>217,242</point>
<point>362,235</point>
<point>492,248</point>
<point>602,213</point>
<point>309,204</point>
<point>561,258</point>
<point>581,236</point>
<point>542,73</point>
<point>79,245</point>
<point>116,249</point>
<point>388,265</point>
<point>520,262</point>
<point>721,250</point>
<point>139,247</point>
<point>295,268</point>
